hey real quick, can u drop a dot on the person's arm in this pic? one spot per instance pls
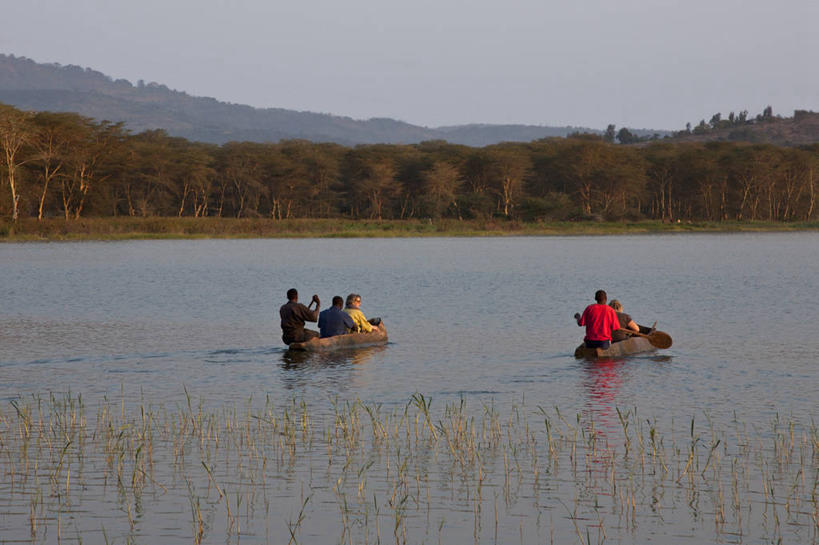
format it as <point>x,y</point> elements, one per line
<point>579,318</point>
<point>315,312</point>
<point>633,326</point>
<point>365,326</point>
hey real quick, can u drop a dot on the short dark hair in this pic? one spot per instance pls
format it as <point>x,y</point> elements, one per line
<point>338,301</point>
<point>600,296</point>
<point>292,294</point>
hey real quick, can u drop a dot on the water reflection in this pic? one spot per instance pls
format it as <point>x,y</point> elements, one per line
<point>601,381</point>
<point>339,370</point>
<point>300,359</point>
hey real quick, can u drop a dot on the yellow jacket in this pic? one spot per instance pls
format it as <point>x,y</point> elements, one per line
<point>361,323</point>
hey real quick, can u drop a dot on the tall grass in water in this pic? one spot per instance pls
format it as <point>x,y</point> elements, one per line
<point>355,472</point>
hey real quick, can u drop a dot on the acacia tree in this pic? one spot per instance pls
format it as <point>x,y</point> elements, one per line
<point>196,178</point>
<point>51,143</point>
<point>749,168</point>
<point>699,175</point>
<point>378,186</point>
<point>620,180</point>
<point>286,180</point>
<point>15,131</point>
<point>578,164</point>
<point>370,179</point>
<point>813,167</point>
<point>241,169</point>
<point>475,199</point>
<point>660,174</point>
<point>440,185</point>
<point>150,183</point>
<point>322,166</point>
<point>510,167</point>
<point>305,178</point>
<point>477,171</point>
<point>794,172</point>
<point>93,144</point>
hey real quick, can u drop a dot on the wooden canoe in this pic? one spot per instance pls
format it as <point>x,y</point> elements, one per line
<point>632,345</point>
<point>351,340</point>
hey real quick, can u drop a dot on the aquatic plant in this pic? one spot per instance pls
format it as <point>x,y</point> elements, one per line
<point>352,470</point>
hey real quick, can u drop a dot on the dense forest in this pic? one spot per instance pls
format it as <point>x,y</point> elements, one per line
<point>66,165</point>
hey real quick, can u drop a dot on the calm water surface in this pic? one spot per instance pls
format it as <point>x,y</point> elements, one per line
<point>486,322</point>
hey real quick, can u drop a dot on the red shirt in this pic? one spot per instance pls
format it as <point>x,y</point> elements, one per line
<point>600,321</point>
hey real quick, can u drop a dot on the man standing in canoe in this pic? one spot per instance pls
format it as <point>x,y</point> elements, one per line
<point>294,315</point>
<point>600,320</point>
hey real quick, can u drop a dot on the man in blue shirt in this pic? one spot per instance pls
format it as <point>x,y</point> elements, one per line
<point>335,321</point>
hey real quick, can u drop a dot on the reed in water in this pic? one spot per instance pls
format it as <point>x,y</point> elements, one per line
<point>356,472</point>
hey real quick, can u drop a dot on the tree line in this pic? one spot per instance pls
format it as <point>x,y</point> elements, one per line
<point>69,166</point>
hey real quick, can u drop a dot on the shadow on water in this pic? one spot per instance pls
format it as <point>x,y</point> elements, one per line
<point>661,359</point>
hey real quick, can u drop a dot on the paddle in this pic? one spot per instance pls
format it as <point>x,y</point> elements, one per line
<point>660,339</point>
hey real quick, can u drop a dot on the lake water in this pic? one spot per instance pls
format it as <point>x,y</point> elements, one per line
<point>474,323</point>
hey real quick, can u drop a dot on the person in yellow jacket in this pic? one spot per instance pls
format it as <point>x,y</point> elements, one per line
<point>353,308</point>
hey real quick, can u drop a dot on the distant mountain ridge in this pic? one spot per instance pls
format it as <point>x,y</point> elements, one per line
<point>29,85</point>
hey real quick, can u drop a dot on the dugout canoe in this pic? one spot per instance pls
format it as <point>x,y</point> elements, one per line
<point>632,345</point>
<point>351,340</point>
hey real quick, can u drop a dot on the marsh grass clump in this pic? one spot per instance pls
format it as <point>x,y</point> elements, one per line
<point>356,472</point>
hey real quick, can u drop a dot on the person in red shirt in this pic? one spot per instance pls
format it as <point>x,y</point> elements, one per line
<point>600,320</point>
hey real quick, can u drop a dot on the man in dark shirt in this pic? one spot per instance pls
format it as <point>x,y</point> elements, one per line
<point>335,321</point>
<point>294,315</point>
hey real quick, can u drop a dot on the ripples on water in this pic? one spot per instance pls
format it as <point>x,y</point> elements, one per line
<point>484,322</point>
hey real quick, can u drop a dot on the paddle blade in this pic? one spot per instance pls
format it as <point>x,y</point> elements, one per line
<point>660,339</point>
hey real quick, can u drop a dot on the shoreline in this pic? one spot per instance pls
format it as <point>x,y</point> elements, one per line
<point>156,228</point>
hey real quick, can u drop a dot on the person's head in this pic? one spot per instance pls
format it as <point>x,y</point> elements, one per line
<point>615,304</point>
<point>600,297</point>
<point>338,301</point>
<point>353,300</point>
<point>292,294</point>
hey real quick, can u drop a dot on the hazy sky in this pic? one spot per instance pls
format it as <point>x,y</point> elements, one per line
<point>638,63</point>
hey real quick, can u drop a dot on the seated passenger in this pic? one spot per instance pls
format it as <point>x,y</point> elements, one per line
<point>353,308</point>
<point>334,321</point>
<point>626,323</point>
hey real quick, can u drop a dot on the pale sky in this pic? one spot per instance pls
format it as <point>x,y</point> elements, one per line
<point>639,63</point>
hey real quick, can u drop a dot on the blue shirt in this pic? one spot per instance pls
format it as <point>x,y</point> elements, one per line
<point>334,321</point>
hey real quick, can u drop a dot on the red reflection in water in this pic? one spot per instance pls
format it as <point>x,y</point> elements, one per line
<point>602,383</point>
